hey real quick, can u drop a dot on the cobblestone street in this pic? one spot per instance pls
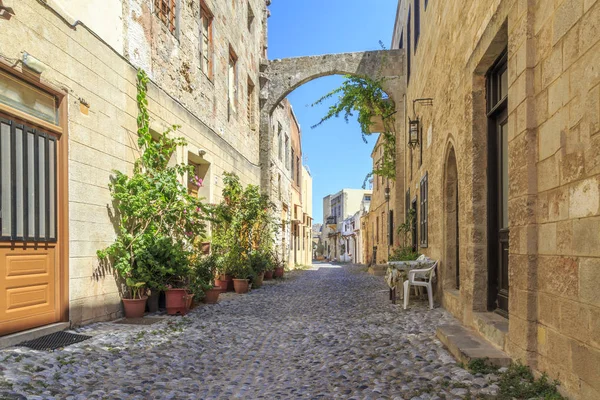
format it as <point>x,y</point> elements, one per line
<point>329,332</point>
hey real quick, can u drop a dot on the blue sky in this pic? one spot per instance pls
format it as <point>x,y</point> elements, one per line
<point>335,152</point>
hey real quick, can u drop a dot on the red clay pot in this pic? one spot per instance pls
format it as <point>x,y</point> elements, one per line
<point>279,272</point>
<point>178,301</point>
<point>268,275</point>
<point>212,295</point>
<point>241,286</point>
<point>221,284</point>
<point>258,281</point>
<point>135,308</point>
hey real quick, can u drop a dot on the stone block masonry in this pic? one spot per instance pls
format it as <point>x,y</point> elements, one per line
<point>103,138</point>
<point>552,53</point>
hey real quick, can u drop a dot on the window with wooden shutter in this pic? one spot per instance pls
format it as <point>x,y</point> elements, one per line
<point>192,182</point>
<point>166,12</point>
<point>232,83</point>
<point>251,105</point>
<point>206,40</point>
<point>423,221</point>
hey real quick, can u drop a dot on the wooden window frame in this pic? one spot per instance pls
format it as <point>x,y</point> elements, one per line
<point>207,53</point>
<point>232,98</point>
<point>417,33</point>
<point>408,48</point>
<point>166,11</point>
<point>251,105</point>
<point>251,18</point>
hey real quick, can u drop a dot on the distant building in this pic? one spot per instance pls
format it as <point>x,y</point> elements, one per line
<point>336,208</point>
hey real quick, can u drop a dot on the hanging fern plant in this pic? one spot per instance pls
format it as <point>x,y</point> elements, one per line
<point>365,96</point>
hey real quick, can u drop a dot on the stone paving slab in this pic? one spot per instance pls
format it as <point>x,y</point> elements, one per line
<point>325,333</point>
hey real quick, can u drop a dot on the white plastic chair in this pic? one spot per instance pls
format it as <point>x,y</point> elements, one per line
<point>420,278</point>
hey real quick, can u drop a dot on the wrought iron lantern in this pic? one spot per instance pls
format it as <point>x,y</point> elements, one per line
<point>414,125</point>
<point>413,129</point>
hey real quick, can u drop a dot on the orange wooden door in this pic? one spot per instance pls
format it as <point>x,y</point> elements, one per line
<point>29,282</point>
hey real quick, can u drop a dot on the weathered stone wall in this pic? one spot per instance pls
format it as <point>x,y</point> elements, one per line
<point>103,138</point>
<point>280,177</point>
<point>554,174</point>
<point>379,210</point>
<point>173,62</point>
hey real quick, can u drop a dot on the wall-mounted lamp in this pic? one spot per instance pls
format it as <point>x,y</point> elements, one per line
<point>413,130</point>
<point>414,124</point>
<point>33,63</point>
<point>201,152</point>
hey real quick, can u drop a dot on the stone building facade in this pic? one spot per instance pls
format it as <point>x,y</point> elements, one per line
<point>336,208</point>
<point>381,220</point>
<point>281,177</point>
<point>203,58</point>
<point>506,176</point>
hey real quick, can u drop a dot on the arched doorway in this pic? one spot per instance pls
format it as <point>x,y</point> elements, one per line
<point>451,212</point>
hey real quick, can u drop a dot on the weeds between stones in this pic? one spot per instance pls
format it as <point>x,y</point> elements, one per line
<point>517,382</point>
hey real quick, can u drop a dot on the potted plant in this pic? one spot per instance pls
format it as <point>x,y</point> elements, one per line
<point>260,263</point>
<point>201,280</point>
<point>158,220</point>
<point>406,251</point>
<point>136,305</point>
<point>278,270</point>
<point>241,270</point>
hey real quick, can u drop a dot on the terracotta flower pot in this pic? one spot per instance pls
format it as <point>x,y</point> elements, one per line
<point>178,301</point>
<point>258,281</point>
<point>221,284</point>
<point>278,272</point>
<point>212,295</point>
<point>268,275</point>
<point>241,286</point>
<point>135,308</point>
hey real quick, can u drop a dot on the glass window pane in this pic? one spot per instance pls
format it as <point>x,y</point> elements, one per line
<point>5,178</point>
<point>42,186</point>
<point>504,155</point>
<point>27,98</point>
<point>503,85</point>
<point>19,182</point>
<point>52,179</point>
<point>31,189</point>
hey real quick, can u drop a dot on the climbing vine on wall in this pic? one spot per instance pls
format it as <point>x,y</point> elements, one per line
<point>365,96</point>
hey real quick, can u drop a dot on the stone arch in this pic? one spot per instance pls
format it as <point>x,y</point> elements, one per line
<point>280,77</point>
<point>451,262</point>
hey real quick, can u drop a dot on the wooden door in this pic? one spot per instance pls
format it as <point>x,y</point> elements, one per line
<point>498,227</point>
<point>29,247</point>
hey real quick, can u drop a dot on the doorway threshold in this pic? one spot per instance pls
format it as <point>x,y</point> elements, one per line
<point>32,334</point>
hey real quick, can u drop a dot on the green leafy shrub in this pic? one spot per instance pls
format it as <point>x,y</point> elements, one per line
<point>158,221</point>
<point>244,229</point>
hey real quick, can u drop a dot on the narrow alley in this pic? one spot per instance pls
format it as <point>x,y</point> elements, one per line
<point>328,332</point>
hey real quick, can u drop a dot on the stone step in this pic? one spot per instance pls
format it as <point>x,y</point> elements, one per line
<point>492,327</point>
<point>466,345</point>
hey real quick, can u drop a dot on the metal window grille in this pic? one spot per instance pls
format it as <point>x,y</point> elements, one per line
<point>28,180</point>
